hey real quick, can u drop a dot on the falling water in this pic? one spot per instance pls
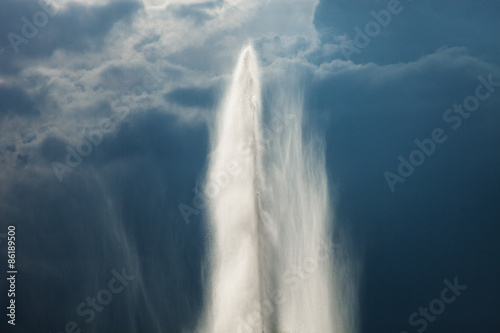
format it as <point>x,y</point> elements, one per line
<point>273,267</point>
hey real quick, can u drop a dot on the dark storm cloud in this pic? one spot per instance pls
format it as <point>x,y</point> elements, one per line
<point>121,78</point>
<point>192,97</point>
<point>147,134</point>
<point>198,13</point>
<point>116,209</point>
<point>52,148</point>
<point>149,166</point>
<point>15,102</point>
<point>445,215</point>
<point>420,28</point>
<point>76,28</point>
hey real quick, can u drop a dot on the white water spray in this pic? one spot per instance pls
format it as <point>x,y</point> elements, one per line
<point>272,263</point>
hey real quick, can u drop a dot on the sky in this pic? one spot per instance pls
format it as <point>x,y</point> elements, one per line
<point>106,109</point>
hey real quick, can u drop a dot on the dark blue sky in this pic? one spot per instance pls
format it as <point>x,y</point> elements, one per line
<point>105,113</point>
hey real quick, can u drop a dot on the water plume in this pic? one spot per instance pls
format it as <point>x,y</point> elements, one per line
<point>273,266</point>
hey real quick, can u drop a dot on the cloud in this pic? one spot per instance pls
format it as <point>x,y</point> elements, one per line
<point>420,28</point>
<point>15,102</point>
<point>91,56</point>
<point>75,28</point>
<point>198,12</point>
<point>201,97</point>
